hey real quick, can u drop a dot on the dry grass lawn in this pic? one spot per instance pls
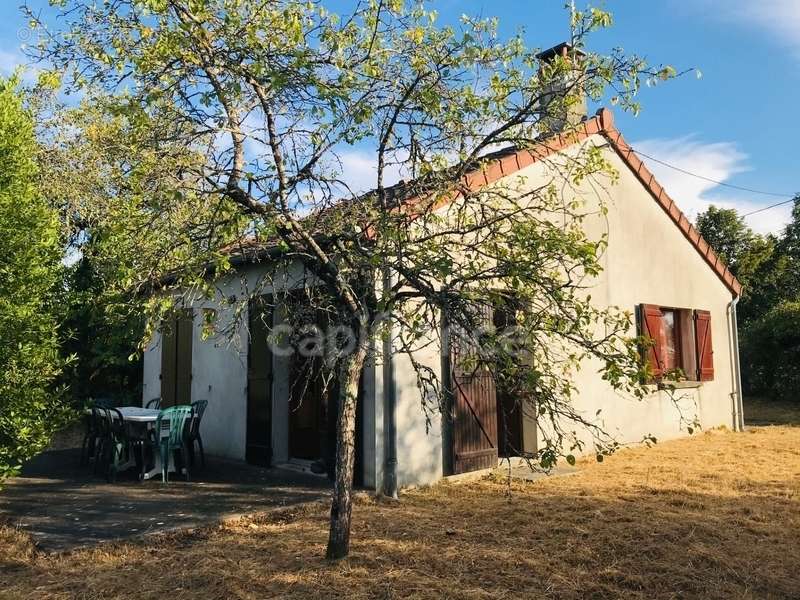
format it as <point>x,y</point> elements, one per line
<point>713,516</point>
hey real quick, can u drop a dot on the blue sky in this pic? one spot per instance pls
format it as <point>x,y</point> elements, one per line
<point>738,124</point>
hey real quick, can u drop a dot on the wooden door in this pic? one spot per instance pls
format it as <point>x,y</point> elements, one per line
<point>168,338</point>
<point>474,406</point>
<point>176,359</point>
<point>314,415</point>
<point>183,359</point>
<point>259,383</point>
<point>312,408</point>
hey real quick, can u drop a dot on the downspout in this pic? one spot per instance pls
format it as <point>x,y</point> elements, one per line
<point>738,410</point>
<point>389,404</point>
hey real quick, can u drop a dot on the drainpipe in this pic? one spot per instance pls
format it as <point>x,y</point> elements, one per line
<point>738,410</point>
<point>389,407</point>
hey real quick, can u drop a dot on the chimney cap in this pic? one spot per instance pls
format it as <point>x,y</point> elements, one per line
<point>562,49</point>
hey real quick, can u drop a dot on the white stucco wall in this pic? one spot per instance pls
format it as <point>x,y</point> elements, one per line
<point>219,373</point>
<point>648,260</point>
<point>419,431</point>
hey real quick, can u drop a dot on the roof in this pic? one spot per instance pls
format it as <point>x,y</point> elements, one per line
<point>509,160</point>
<point>505,163</point>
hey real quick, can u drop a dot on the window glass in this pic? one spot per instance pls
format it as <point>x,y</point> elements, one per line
<point>669,324</point>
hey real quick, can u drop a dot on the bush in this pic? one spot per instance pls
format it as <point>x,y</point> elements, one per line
<point>770,352</point>
<point>30,273</point>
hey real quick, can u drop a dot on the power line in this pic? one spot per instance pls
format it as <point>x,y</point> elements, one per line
<point>767,208</point>
<point>722,183</point>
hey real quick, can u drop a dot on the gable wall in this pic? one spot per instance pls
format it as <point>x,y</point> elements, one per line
<point>648,260</point>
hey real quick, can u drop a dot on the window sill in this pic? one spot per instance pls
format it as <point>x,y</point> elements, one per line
<point>679,385</point>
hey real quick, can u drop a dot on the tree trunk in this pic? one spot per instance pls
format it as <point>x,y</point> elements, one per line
<point>342,502</point>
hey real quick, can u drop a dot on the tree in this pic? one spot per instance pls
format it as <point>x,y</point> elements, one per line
<point>789,247</point>
<point>754,259</point>
<point>771,353</point>
<point>211,125</point>
<point>101,337</point>
<point>728,234</point>
<point>30,268</point>
<point>768,268</point>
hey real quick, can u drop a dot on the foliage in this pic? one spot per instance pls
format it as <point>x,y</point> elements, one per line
<point>218,130</point>
<point>769,270</point>
<point>754,259</point>
<point>771,353</point>
<point>101,337</point>
<point>30,269</point>
<point>789,248</point>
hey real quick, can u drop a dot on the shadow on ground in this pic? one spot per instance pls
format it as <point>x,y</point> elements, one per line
<point>62,505</point>
<point>760,411</point>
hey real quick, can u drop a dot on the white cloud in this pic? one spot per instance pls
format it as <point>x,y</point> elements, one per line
<point>779,18</point>
<point>360,170</point>
<point>718,161</point>
<point>9,61</point>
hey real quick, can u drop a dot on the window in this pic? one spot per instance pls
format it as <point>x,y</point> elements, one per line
<point>681,342</point>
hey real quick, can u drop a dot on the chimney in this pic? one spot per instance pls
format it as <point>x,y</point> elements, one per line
<point>563,102</point>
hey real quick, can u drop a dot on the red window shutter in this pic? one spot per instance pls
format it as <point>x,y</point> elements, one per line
<point>705,350</point>
<point>652,328</point>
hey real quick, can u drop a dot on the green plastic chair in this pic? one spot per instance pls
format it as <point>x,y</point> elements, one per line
<point>199,408</point>
<point>171,436</point>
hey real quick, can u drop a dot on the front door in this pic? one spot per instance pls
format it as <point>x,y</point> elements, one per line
<point>474,406</point>
<point>176,359</point>
<point>314,393</point>
<point>259,383</point>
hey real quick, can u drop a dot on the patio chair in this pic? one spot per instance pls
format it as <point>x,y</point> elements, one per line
<point>171,436</point>
<point>198,409</point>
<point>155,403</point>
<point>115,444</point>
<point>89,445</point>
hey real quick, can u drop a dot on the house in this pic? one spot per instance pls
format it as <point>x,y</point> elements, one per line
<point>656,264</point>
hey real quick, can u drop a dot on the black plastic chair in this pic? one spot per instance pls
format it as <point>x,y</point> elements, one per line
<point>155,404</point>
<point>103,439</point>
<point>198,410</point>
<point>115,443</point>
<point>89,446</point>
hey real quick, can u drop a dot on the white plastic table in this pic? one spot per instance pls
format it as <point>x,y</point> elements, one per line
<point>137,414</point>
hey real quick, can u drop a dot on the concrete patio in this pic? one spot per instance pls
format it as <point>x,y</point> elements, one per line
<point>63,506</point>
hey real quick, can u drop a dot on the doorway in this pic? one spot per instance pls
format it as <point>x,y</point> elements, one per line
<point>176,359</point>
<point>258,445</point>
<point>474,409</point>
